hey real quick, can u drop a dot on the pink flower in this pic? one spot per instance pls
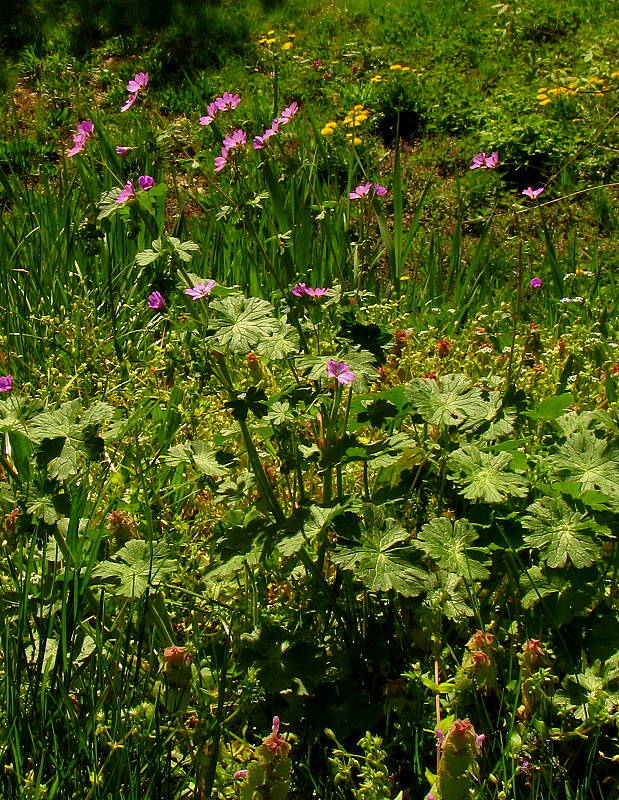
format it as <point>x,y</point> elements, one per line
<point>440,737</point>
<point>479,741</point>
<point>122,152</point>
<point>482,161</point>
<point>532,193</point>
<point>228,101</point>
<point>222,160</point>
<point>301,290</point>
<point>134,87</point>
<point>259,141</point>
<point>211,113</point>
<point>240,773</point>
<point>83,132</point>
<point>6,383</point>
<point>287,114</point>
<point>125,193</point>
<point>236,139</point>
<point>201,290</point>
<point>146,182</point>
<point>341,371</point>
<point>364,189</point>
<point>535,283</point>
<point>156,300</point>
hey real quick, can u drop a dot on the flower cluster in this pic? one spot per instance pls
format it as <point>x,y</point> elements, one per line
<point>353,119</point>
<point>270,38</point>
<point>145,182</point>
<point>545,95</point>
<point>396,68</point>
<point>365,189</point>
<point>284,118</point>
<point>83,132</point>
<point>235,141</point>
<point>227,102</point>
<point>301,290</point>
<point>482,161</point>
<point>134,87</point>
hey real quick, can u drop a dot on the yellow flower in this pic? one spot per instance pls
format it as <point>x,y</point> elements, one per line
<point>269,41</point>
<point>405,277</point>
<point>376,79</point>
<point>271,32</point>
<point>395,67</point>
<point>578,119</point>
<point>542,97</point>
<point>358,107</point>
<point>406,69</point>
<point>542,89</point>
<point>354,139</point>
<point>329,129</point>
<point>286,45</point>
<point>614,75</point>
<point>573,84</point>
<point>545,102</point>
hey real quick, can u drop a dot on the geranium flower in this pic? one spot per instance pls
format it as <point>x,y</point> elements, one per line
<point>125,193</point>
<point>364,189</point>
<point>201,290</point>
<point>482,161</point>
<point>134,87</point>
<point>301,290</point>
<point>6,383</point>
<point>156,300</point>
<point>259,141</point>
<point>287,114</point>
<point>83,132</point>
<point>536,283</point>
<point>228,101</point>
<point>222,160</point>
<point>341,371</point>
<point>236,139</point>
<point>122,152</point>
<point>532,193</point>
<point>211,113</point>
<point>146,182</point>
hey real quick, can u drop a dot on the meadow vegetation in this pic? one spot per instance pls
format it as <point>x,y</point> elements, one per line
<point>309,476</point>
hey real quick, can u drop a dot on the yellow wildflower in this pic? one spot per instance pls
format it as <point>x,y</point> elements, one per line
<point>376,79</point>
<point>271,32</point>
<point>395,67</point>
<point>406,69</point>
<point>614,75</point>
<point>354,139</point>
<point>329,129</point>
<point>405,277</point>
<point>545,102</point>
<point>573,84</point>
<point>286,45</point>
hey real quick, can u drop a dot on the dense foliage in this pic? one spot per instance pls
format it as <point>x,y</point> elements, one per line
<point>309,407</point>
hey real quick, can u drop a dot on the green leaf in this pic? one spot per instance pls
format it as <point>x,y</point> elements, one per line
<point>551,408</point>
<point>139,565</point>
<point>67,440</point>
<point>450,400</point>
<point>560,534</point>
<point>108,204</point>
<point>485,476</point>
<point>283,342</point>
<point>200,455</point>
<point>449,544</point>
<point>379,560</point>
<point>590,461</point>
<point>241,323</point>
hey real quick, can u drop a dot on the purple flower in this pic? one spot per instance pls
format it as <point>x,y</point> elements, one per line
<point>228,101</point>
<point>146,182</point>
<point>125,193</point>
<point>287,114</point>
<point>533,193</point>
<point>440,737</point>
<point>83,132</point>
<point>6,383</point>
<point>201,290</point>
<point>482,161</point>
<point>240,773</point>
<point>364,189</point>
<point>122,152</point>
<point>156,300</point>
<point>259,141</point>
<point>222,160</point>
<point>211,113</point>
<point>479,741</point>
<point>236,139</point>
<point>341,371</point>
<point>134,87</point>
<point>301,290</point>
<point>535,283</point>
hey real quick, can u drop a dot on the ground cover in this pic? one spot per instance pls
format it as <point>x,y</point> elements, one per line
<point>310,477</point>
